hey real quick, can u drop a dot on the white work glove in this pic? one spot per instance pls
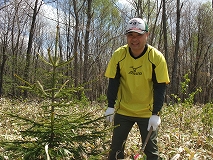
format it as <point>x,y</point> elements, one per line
<point>109,114</point>
<point>154,121</point>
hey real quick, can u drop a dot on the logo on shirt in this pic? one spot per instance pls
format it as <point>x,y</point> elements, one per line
<point>134,71</point>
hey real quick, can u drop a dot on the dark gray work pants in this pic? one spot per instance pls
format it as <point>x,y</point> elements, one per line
<point>124,125</point>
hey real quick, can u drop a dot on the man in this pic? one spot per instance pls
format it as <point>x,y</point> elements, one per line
<point>138,76</point>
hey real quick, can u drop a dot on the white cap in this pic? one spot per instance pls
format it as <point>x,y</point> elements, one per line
<point>137,25</point>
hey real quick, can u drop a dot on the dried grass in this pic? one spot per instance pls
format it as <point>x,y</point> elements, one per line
<point>182,134</point>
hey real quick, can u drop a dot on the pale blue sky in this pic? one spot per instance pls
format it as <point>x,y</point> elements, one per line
<point>126,1</point>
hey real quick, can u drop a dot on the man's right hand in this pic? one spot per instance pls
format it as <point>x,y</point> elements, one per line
<point>109,114</point>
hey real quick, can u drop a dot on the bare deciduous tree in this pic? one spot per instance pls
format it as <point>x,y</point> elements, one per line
<point>36,9</point>
<point>174,86</point>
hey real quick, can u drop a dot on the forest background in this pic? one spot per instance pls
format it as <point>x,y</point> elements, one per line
<point>91,30</point>
<point>36,37</point>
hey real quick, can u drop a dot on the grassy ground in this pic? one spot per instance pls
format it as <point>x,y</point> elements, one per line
<point>186,133</point>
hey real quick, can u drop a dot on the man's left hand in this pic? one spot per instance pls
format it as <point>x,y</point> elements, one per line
<point>154,121</point>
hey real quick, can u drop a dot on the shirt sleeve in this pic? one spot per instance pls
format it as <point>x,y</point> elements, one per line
<point>111,68</point>
<point>159,94</point>
<point>117,56</point>
<point>161,69</point>
<point>113,88</point>
<point>160,78</point>
<point>112,91</point>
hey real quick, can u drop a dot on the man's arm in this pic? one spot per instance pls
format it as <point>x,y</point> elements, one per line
<point>113,88</point>
<point>112,91</point>
<point>159,93</point>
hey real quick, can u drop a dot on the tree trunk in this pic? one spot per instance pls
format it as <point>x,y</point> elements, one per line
<point>164,19</point>
<point>86,49</point>
<point>30,42</point>
<point>4,58</point>
<point>212,4</point>
<point>174,87</point>
<point>76,68</point>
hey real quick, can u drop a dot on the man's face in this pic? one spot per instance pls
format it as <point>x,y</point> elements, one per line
<point>137,41</point>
